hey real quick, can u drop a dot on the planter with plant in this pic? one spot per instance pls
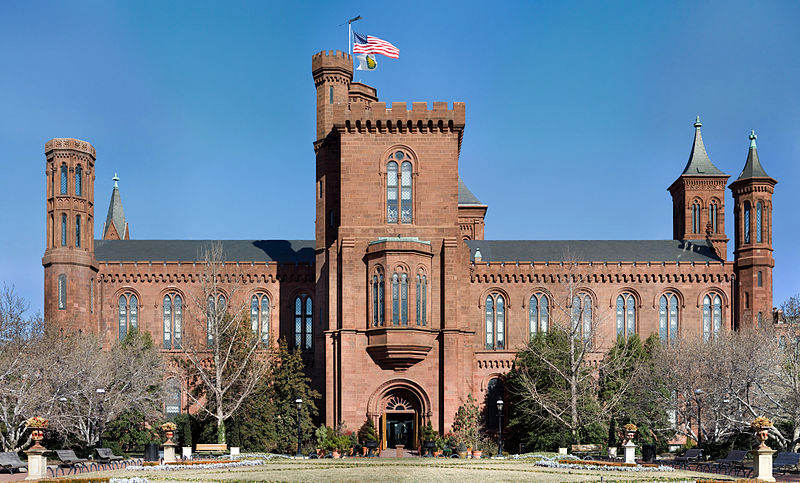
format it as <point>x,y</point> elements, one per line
<point>368,437</point>
<point>466,424</point>
<point>429,436</point>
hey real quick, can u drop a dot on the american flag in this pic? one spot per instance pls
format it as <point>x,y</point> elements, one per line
<point>367,44</point>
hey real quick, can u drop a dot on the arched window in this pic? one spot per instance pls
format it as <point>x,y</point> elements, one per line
<point>78,180</point>
<point>747,222</point>
<point>695,217</point>
<point>215,311</point>
<point>712,315</point>
<point>668,318</point>
<point>582,318</point>
<point>626,315</point>
<point>422,299</point>
<point>172,311</point>
<point>399,187</point>
<point>378,308</point>
<point>62,292</point>
<point>259,315</point>
<point>713,214</point>
<point>172,402</point>
<point>758,222</point>
<point>128,314</point>
<point>538,313</point>
<point>63,229</point>
<point>91,295</point>
<point>63,179</point>
<point>303,318</point>
<point>77,231</point>
<point>404,299</point>
<point>760,279</point>
<point>495,322</point>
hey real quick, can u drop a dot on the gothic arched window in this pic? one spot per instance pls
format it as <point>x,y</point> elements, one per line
<point>713,210</point>
<point>64,179</point>
<point>128,314</point>
<point>712,315</point>
<point>259,315</point>
<point>78,180</point>
<point>747,222</point>
<point>172,311</point>
<point>758,222</point>
<point>303,318</point>
<point>582,318</point>
<point>695,217</point>
<point>626,315</point>
<point>399,188</point>
<point>422,299</point>
<point>77,231</point>
<point>668,317</point>
<point>172,402</point>
<point>63,229</point>
<point>495,322</point>
<point>378,308</point>
<point>215,311</point>
<point>538,313</point>
<point>62,291</point>
<point>404,299</point>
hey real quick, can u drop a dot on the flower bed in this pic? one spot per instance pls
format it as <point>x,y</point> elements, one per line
<point>207,464</point>
<point>574,463</point>
<point>94,480</point>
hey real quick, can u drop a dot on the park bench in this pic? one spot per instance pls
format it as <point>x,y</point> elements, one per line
<point>211,448</point>
<point>107,456</point>
<point>733,462</point>
<point>785,461</point>
<point>693,455</point>
<point>586,449</point>
<point>9,461</point>
<point>70,460</point>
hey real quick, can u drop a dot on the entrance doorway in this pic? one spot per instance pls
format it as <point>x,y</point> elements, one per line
<point>400,429</point>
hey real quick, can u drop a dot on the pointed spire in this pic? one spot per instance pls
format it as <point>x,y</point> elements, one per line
<point>752,167</point>
<point>699,163</point>
<point>116,215</point>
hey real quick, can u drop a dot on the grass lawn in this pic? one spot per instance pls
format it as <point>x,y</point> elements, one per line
<point>402,470</point>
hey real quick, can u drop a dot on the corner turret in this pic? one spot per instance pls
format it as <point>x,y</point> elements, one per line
<point>333,73</point>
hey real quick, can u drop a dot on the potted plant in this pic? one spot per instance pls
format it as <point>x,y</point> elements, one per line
<point>368,437</point>
<point>37,425</point>
<point>761,426</point>
<point>466,424</point>
<point>630,431</point>
<point>325,440</point>
<point>429,436</point>
<point>169,430</point>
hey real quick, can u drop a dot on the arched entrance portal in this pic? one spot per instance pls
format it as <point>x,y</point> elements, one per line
<point>400,421</point>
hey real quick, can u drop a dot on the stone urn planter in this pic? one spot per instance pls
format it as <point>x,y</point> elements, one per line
<point>37,425</point>
<point>761,427</point>
<point>462,451</point>
<point>429,446</point>
<point>370,445</point>
<point>477,454</point>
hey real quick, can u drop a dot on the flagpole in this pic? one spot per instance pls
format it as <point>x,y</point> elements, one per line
<point>350,34</point>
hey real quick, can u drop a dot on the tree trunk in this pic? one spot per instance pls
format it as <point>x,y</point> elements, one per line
<point>221,431</point>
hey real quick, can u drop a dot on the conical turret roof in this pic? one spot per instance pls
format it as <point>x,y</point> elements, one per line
<point>752,167</point>
<point>116,214</point>
<point>699,163</point>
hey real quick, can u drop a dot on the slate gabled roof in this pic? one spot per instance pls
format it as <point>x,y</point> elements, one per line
<point>465,196</point>
<point>699,163</point>
<point>593,250</point>
<point>752,167</point>
<point>284,251</point>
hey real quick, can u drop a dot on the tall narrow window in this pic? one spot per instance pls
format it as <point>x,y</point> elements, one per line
<point>78,180</point>
<point>695,217</point>
<point>128,314</point>
<point>760,318</point>
<point>303,322</point>
<point>706,318</point>
<point>391,192</point>
<point>419,300</point>
<point>626,315</point>
<point>77,231</point>
<point>424,300</point>
<point>330,95</point>
<point>395,299</point>
<point>495,318</point>
<point>64,179</point>
<point>538,313</point>
<point>404,299</point>
<point>381,306</point>
<point>747,222</point>
<point>717,314</point>
<point>405,192</point>
<point>63,229</point>
<point>422,309</point>
<point>375,300</point>
<point>62,292</point>
<point>172,403</point>
<point>758,222</point>
<point>91,295</point>
<point>668,317</point>
<point>582,318</point>
<point>760,280</point>
<point>259,315</point>
<point>713,214</point>
<point>172,311</point>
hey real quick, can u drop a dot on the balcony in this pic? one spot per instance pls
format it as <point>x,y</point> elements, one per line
<point>399,348</point>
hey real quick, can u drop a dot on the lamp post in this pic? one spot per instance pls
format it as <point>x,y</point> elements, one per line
<point>500,428</point>
<point>697,393</point>
<point>100,393</point>
<point>299,403</point>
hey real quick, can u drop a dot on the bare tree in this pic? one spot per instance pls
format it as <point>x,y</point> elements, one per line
<point>224,357</point>
<point>574,364</point>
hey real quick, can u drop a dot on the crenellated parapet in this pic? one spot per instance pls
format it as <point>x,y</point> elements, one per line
<point>331,66</point>
<point>398,118</point>
<point>69,144</point>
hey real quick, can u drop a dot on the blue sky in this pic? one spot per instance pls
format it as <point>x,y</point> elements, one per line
<point>579,114</point>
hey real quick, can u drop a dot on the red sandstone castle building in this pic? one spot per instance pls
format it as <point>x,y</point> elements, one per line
<point>400,306</point>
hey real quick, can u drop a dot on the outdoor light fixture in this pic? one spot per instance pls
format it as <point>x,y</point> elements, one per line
<point>500,428</point>
<point>299,403</point>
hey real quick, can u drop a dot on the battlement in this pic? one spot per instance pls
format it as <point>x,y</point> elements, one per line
<point>332,60</point>
<point>378,116</point>
<point>70,144</point>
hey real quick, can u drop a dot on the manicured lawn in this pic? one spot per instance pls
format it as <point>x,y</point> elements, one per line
<point>403,470</point>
